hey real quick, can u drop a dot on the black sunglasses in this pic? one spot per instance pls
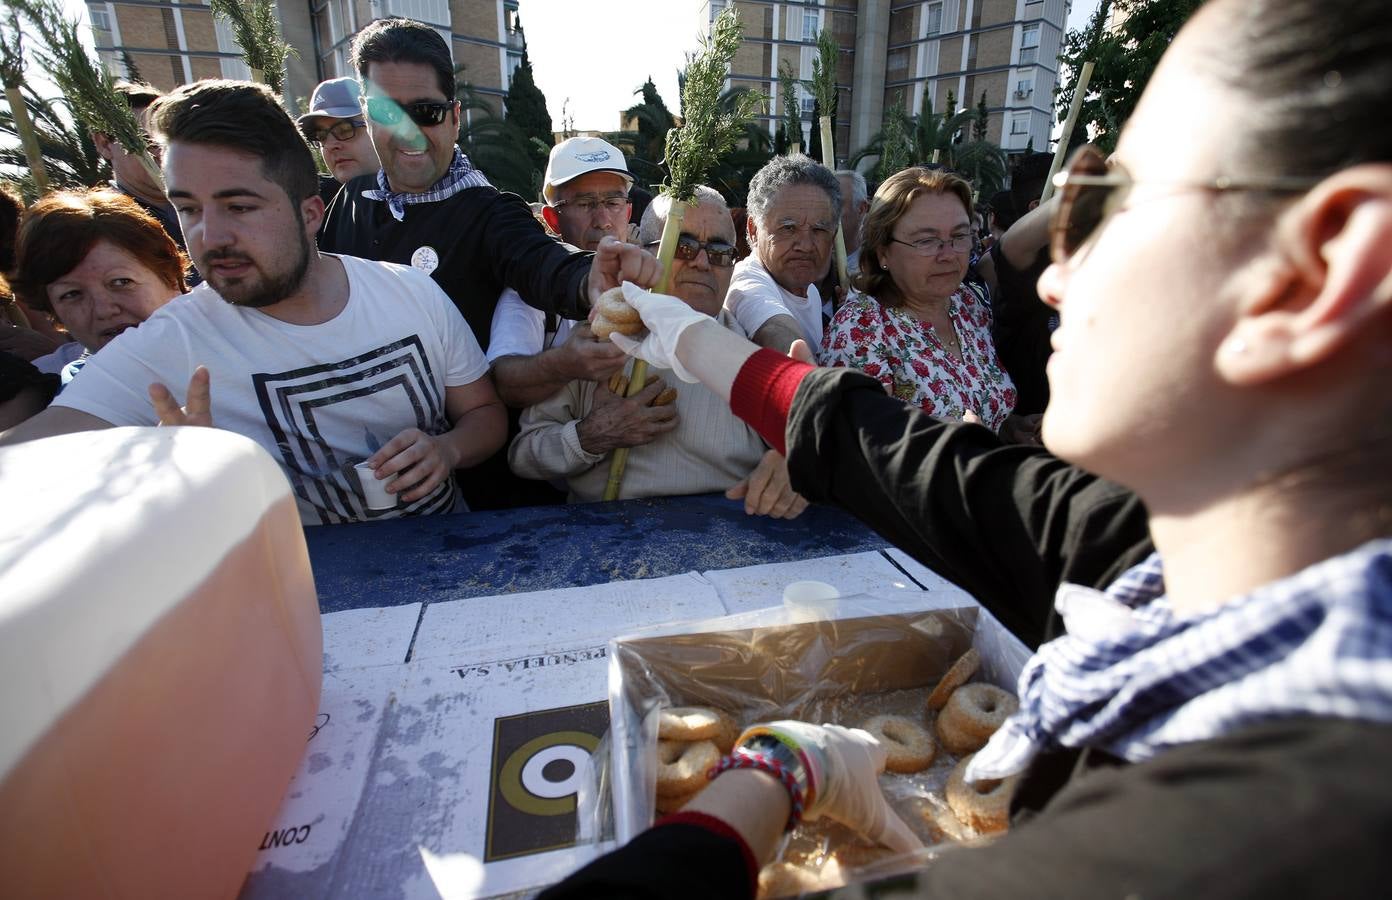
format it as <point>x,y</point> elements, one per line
<point>342,130</point>
<point>1092,190</point>
<point>720,254</point>
<point>386,111</point>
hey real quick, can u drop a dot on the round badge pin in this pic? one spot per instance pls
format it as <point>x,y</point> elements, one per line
<point>425,259</point>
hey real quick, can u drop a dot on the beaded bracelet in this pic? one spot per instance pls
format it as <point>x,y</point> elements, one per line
<point>767,753</point>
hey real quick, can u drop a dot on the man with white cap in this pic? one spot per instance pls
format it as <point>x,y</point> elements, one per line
<point>533,356</point>
<point>586,191</point>
<point>335,125</point>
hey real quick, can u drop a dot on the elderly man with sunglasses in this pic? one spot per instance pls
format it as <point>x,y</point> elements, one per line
<point>690,444</point>
<point>428,207</point>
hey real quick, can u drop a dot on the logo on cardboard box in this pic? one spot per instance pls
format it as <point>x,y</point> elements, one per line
<point>535,774</point>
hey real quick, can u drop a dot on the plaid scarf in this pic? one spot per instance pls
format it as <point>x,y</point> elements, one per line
<point>1133,677</point>
<point>461,175</point>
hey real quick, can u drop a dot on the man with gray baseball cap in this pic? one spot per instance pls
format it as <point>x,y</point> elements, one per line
<point>335,125</point>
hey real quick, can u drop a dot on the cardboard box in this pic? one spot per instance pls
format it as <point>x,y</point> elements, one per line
<point>768,666</point>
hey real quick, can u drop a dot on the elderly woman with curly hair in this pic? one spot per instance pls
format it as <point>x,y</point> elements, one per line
<point>913,324</point>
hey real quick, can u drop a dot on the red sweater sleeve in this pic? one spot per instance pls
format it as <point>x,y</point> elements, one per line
<point>762,394</point>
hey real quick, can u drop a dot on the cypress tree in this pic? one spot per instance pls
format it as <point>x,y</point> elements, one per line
<point>526,110</point>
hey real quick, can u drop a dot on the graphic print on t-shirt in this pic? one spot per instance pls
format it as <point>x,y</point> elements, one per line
<point>327,417</point>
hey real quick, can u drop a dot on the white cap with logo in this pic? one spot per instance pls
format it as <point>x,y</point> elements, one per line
<point>578,156</point>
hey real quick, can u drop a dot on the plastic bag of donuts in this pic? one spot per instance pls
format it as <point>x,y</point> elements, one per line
<point>930,684</point>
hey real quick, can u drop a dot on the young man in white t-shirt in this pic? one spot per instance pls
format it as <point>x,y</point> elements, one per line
<point>794,206</point>
<point>325,361</point>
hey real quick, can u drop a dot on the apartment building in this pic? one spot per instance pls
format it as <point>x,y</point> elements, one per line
<point>893,52</point>
<point>173,43</point>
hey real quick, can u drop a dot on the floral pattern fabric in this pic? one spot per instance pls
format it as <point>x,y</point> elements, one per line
<point>906,356</point>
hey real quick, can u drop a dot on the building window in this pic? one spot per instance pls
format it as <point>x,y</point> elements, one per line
<point>935,18</point>
<point>1029,44</point>
<point>101,25</point>
<point>1020,125</point>
<point>897,61</point>
<point>811,22</point>
<point>1023,89</point>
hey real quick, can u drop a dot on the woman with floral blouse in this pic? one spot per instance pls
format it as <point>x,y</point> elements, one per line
<point>912,323</point>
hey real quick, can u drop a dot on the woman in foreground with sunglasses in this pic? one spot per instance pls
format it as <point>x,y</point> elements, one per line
<point>913,324</point>
<point>1216,726</point>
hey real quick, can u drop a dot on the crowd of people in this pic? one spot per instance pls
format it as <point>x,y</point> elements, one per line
<point>1207,495</point>
<point>411,395</point>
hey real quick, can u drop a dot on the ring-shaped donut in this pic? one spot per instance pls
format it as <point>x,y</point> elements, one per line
<point>615,308</point>
<point>984,805</point>
<point>972,715</point>
<point>682,766</point>
<point>908,746</point>
<point>960,673</point>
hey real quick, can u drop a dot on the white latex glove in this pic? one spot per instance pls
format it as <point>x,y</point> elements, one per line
<point>666,318</point>
<point>850,791</point>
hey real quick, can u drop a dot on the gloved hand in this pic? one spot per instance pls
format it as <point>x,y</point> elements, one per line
<point>847,789</point>
<point>666,318</point>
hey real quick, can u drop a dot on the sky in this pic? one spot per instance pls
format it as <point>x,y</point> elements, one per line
<point>590,64</point>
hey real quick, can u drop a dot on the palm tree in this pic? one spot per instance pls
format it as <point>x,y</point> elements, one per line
<point>70,157</point>
<point>935,138</point>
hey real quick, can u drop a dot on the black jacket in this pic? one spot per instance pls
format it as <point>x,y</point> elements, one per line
<point>484,240</point>
<point>1295,808</point>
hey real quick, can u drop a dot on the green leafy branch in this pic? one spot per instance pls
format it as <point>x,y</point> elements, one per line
<point>254,30</point>
<point>824,73</point>
<point>86,84</point>
<point>709,130</point>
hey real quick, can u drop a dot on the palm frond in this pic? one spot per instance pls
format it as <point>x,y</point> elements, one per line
<point>254,28</point>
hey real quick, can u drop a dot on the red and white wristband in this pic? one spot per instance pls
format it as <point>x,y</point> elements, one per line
<point>770,752</point>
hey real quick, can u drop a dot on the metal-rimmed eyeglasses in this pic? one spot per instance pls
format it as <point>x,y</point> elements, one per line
<point>932,246</point>
<point>588,203</point>
<point>342,130</point>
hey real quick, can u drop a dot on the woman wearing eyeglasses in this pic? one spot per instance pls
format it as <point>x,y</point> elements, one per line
<point>1217,721</point>
<point>913,324</point>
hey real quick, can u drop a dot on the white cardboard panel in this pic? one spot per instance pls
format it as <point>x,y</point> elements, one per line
<point>358,638</point>
<point>760,587</point>
<point>422,826</point>
<point>925,576</point>
<point>482,627</point>
<point>301,850</point>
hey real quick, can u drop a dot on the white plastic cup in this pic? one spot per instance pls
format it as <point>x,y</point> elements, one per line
<point>375,494</point>
<point>815,597</point>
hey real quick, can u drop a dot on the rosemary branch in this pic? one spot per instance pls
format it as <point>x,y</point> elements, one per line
<point>708,132</point>
<point>254,30</point>
<point>824,73</point>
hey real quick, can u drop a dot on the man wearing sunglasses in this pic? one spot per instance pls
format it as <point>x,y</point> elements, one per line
<point>428,207</point>
<point>690,445</point>
<point>336,126</point>
<point>533,354</point>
